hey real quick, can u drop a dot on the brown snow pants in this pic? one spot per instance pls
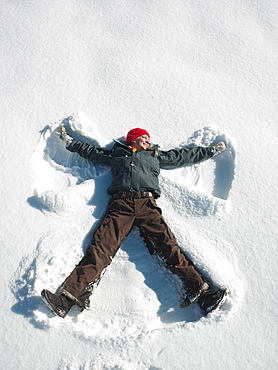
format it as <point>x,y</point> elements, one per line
<point>120,217</point>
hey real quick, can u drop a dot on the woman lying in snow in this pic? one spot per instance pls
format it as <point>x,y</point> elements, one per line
<point>135,166</point>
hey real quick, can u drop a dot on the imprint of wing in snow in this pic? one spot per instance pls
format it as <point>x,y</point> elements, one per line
<point>202,189</point>
<point>58,171</point>
<point>216,178</point>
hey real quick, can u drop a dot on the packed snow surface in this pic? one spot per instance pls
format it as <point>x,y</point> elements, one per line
<point>191,73</point>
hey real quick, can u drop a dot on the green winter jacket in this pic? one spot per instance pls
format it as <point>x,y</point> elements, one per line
<point>139,170</point>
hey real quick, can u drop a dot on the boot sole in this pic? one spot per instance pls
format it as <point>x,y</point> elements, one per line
<point>48,304</point>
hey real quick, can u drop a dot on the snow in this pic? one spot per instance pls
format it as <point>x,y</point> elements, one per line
<point>189,73</point>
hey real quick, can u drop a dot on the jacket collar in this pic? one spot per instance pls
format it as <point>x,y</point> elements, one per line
<point>128,147</point>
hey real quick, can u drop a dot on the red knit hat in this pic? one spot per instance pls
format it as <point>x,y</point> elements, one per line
<point>134,133</point>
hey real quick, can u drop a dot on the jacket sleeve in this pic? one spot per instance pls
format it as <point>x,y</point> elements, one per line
<point>181,157</point>
<point>90,152</point>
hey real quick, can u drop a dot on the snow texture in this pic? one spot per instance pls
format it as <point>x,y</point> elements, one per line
<point>191,73</point>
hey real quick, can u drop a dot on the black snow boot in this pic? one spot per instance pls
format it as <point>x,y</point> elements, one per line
<point>210,301</point>
<point>58,304</point>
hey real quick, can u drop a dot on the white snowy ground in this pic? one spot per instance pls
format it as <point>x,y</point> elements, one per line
<point>190,72</point>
